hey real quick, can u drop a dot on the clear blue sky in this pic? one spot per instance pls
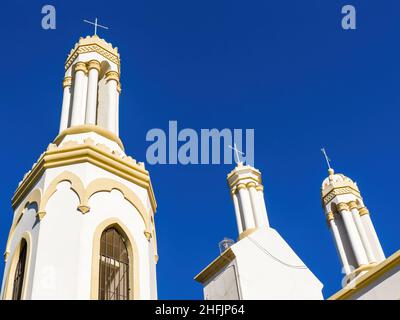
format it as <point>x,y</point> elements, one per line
<point>284,68</point>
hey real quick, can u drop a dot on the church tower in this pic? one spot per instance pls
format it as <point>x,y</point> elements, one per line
<point>350,223</point>
<point>83,225</point>
<point>260,265</point>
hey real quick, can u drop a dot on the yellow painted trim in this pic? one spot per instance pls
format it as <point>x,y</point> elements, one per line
<point>366,279</point>
<point>34,197</point>
<point>107,185</point>
<point>9,281</point>
<point>89,128</point>
<point>214,267</point>
<point>80,153</point>
<point>76,185</point>
<point>246,233</point>
<point>134,272</point>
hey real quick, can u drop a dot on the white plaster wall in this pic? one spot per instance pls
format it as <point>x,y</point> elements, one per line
<point>386,287</point>
<point>62,243</point>
<point>27,227</point>
<point>269,269</point>
<point>224,285</point>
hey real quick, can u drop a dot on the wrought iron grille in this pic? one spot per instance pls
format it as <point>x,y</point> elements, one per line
<point>19,272</point>
<point>114,266</point>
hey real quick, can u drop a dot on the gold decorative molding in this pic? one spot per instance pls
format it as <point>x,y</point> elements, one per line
<point>80,66</point>
<point>84,209</point>
<point>240,186</point>
<point>214,267</point>
<point>89,128</point>
<point>363,211</point>
<point>93,44</point>
<point>93,64</point>
<point>330,216</point>
<point>119,89</point>
<point>40,215</point>
<point>339,191</point>
<point>80,153</point>
<point>251,185</point>
<point>67,82</point>
<point>112,75</point>
<point>260,187</point>
<point>246,233</point>
<point>352,205</point>
<point>147,235</point>
<point>342,206</point>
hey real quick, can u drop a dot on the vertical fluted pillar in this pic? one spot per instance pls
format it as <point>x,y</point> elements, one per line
<point>245,204</point>
<point>117,113</point>
<point>237,212</point>
<point>366,219</point>
<point>263,207</point>
<point>112,79</point>
<point>256,205</point>
<point>338,243</point>
<point>78,106</point>
<point>352,232</point>
<point>364,238</point>
<point>93,67</point>
<point>66,104</point>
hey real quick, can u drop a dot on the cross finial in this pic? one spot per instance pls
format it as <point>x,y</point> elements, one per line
<point>95,25</point>
<point>328,161</point>
<point>237,151</point>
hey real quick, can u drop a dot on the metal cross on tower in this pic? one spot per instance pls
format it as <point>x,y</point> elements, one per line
<point>95,25</point>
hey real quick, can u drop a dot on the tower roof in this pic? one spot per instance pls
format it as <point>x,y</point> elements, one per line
<point>93,44</point>
<point>336,179</point>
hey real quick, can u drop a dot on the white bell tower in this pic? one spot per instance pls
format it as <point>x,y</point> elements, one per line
<point>350,223</point>
<point>83,224</point>
<point>260,265</point>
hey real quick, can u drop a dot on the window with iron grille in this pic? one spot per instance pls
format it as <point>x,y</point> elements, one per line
<point>114,266</point>
<point>19,272</point>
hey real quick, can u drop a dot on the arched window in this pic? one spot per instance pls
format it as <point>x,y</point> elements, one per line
<point>114,266</point>
<point>20,272</point>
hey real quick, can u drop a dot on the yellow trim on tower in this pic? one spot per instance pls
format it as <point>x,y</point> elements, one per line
<point>89,128</point>
<point>368,278</point>
<point>81,153</point>
<point>214,267</point>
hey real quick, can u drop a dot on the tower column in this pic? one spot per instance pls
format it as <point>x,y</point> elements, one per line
<point>66,104</point>
<point>366,219</point>
<point>357,219</point>
<point>237,212</point>
<point>338,242</point>
<point>78,106</point>
<point>352,232</point>
<point>246,207</point>
<point>261,201</point>
<point>93,78</point>
<point>112,79</point>
<point>255,201</point>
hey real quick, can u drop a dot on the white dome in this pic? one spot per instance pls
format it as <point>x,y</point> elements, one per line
<point>336,178</point>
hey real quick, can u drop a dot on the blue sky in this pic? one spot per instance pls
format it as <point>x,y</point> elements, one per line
<point>284,68</point>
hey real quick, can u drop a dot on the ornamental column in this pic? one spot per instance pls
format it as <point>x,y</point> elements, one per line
<point>237,212</point>
<point>338,243</point>
<point>78,105</point>
<point>262,206</point>
<point>352,232</point>
<point>245,204</point>
<point>369,227</point>
<point>93,67</point>
<point>112,80</point>
<point>66,104</point>
<point>364,238</point>
<point>258,214</point>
